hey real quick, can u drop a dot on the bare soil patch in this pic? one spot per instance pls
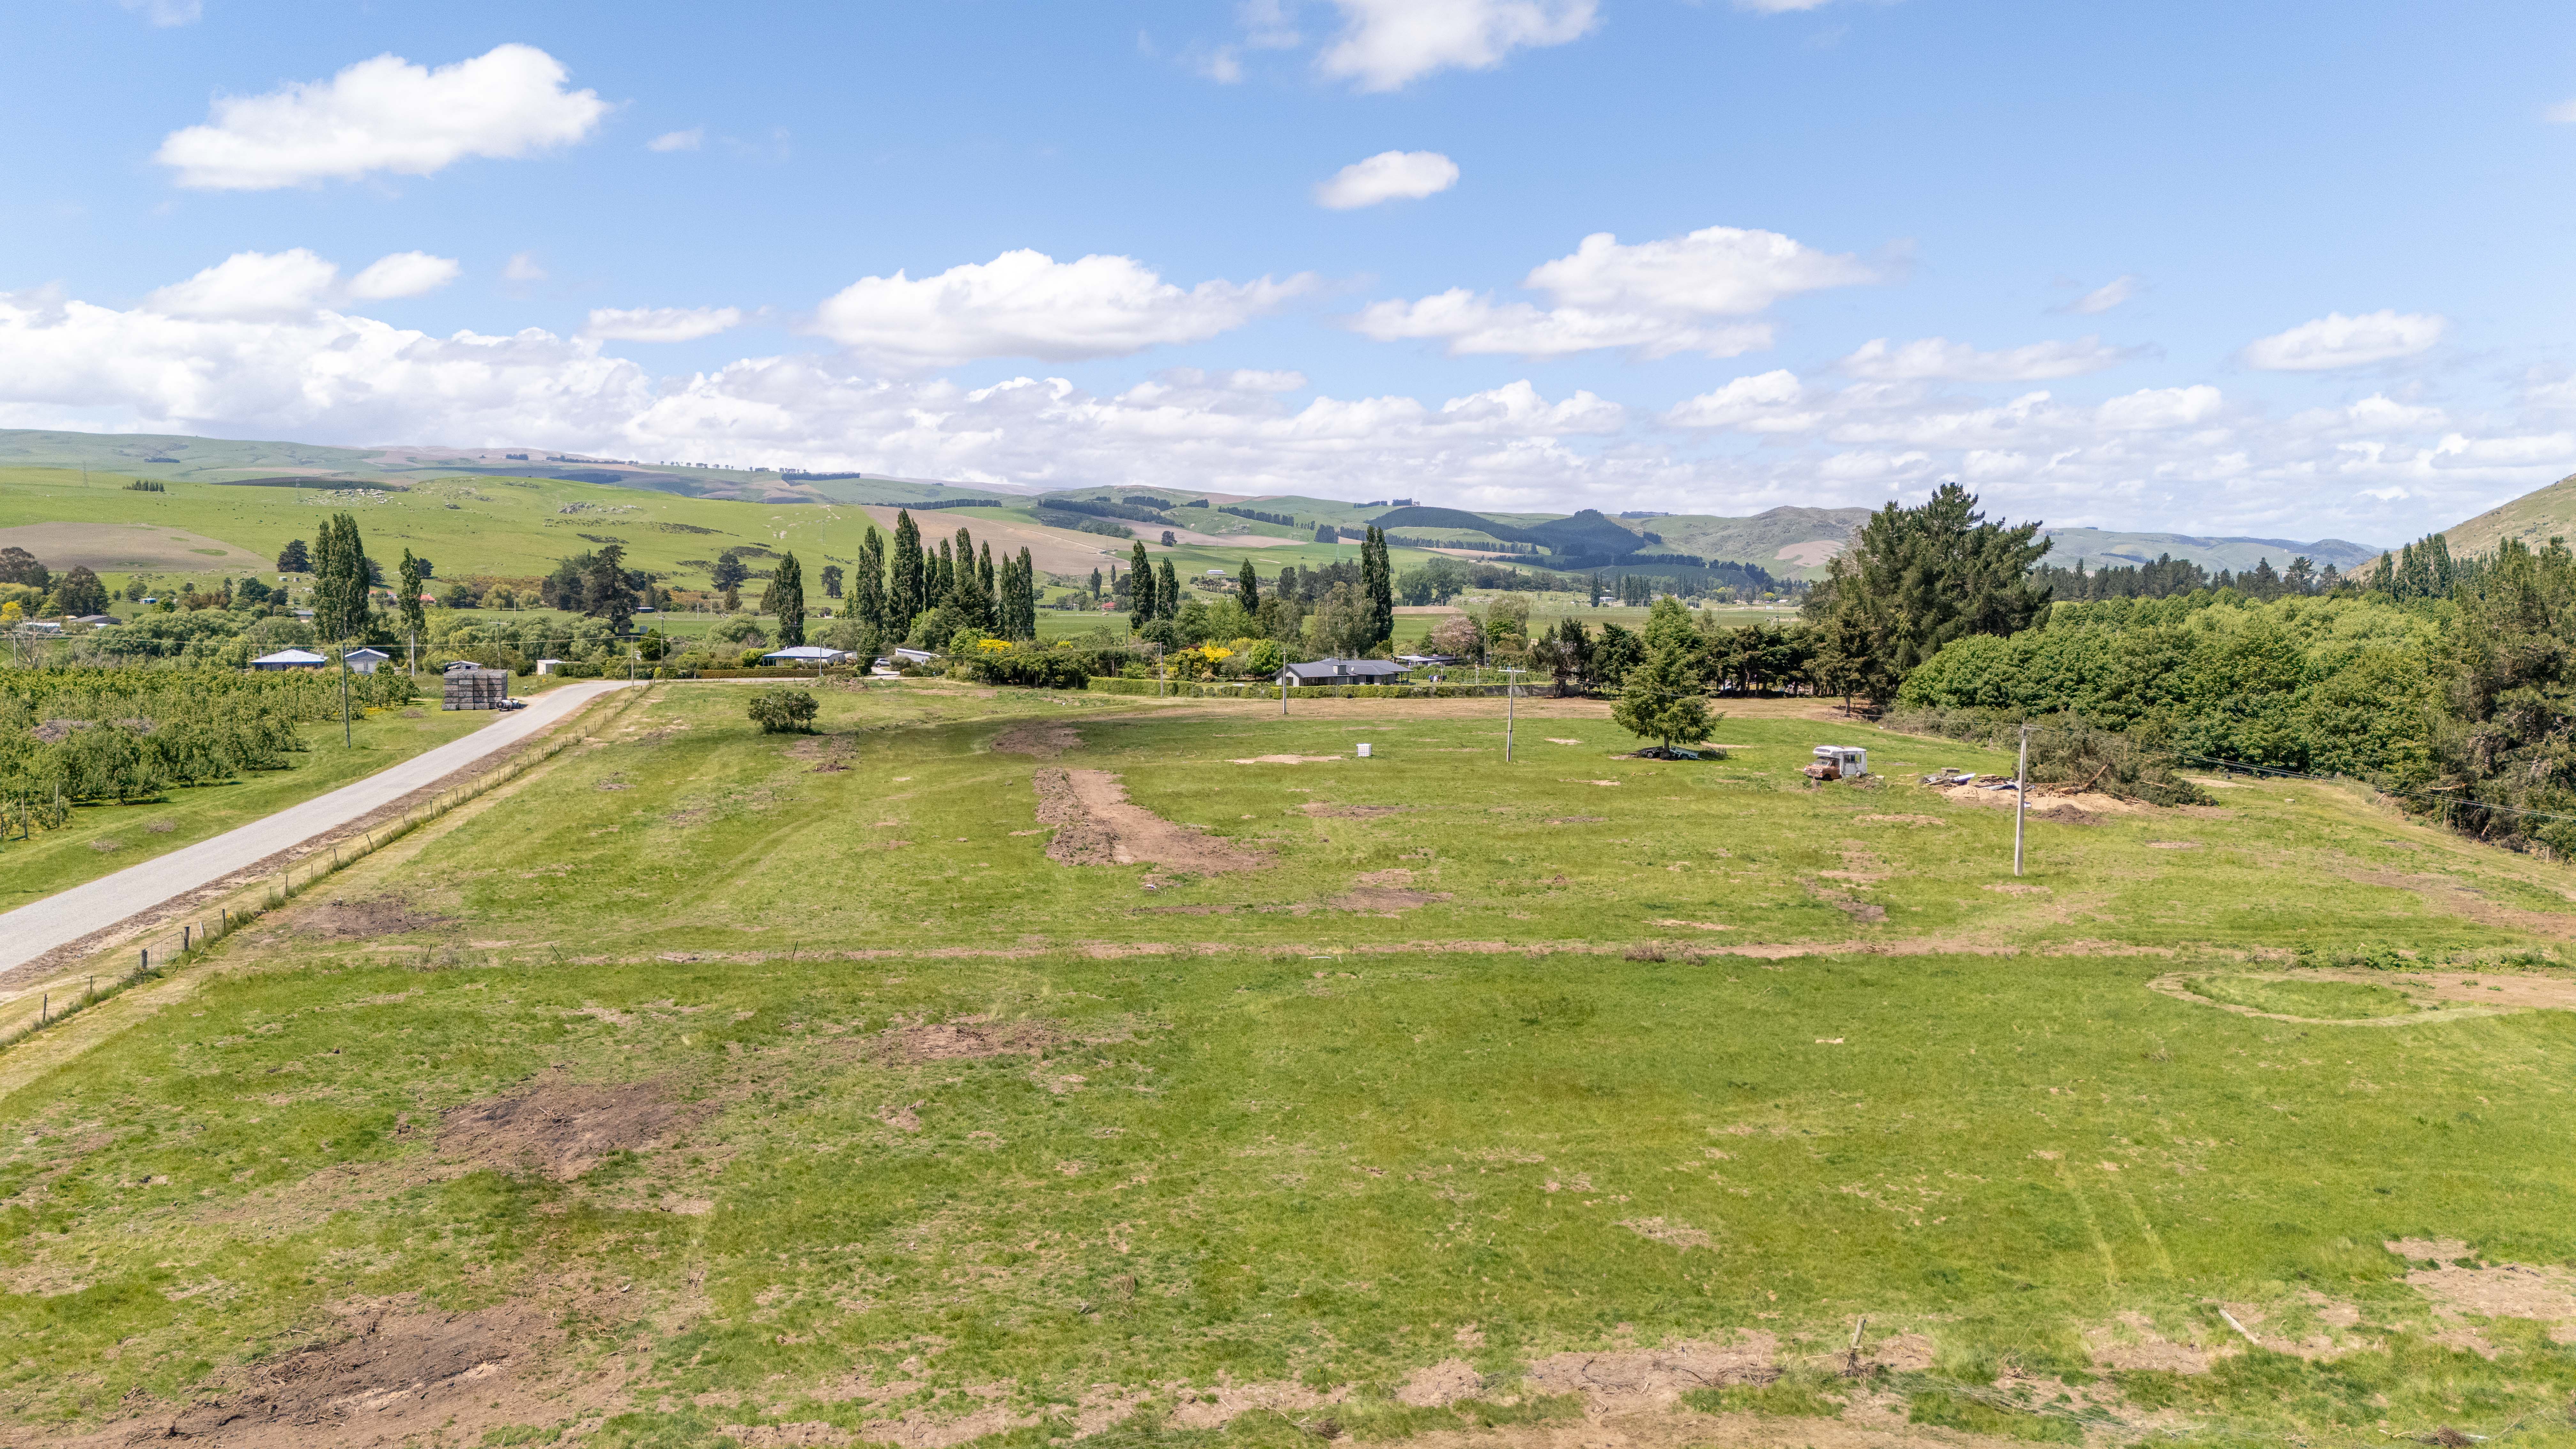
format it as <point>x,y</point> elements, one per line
<point>1352,812</point>
<point>1441,1384</point>
<point>1097,825</point>
<point>129,546</point>
<point>1901,820</point>
<point>1290,760</point>
<point>2067,806</point>
<point>1653,1378</point>
<point>1576,820</point>
<point>1665,1230</point>
<point>563,1129</point>
<point>2508,1290</point>
<point>396,1371</point>
<point>342,920</point>
<point>968,1038</point>
<point>1385,892</point>
<point>830,753</point>
<point>1042,740</point>
<point>2173,845</point>
<point>2133,1343</point>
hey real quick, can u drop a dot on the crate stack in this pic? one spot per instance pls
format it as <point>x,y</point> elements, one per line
<point>475,688</point>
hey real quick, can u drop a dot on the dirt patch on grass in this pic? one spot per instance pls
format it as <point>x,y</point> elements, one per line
<point>1290,760</point>
<point>563,1129</point>
<point>343,920</point>
<point>1353,812</point>
<point>393,1371</point>
<point>1039,740</point>
<point>1862,913</point>
<point>1097,825</point>
<point>967,1038</point>
<point>830,753</point>
<point>1385,892</point>
<point>1652,1378</point>
<point>1665,1230</point>
<point>2131,1342</point>
<point>1576,820</point>
<point>2449,895</point>
<point>2173,845</point>
<point>2067,807</point>
<point>1901,820</point>
<point>2508,1290</point>
<point>1441,1384</point>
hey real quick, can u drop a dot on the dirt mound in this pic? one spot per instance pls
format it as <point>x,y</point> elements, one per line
<point>341,920</point>
<point>2068,806</point>
<point>563,1129</point>
<point>1353,812</point>
<point>2510,1290</point>
<point>968,1037</point>
<point>1096,825</point>
<point>1042,740</point>
<point>394,1370</point>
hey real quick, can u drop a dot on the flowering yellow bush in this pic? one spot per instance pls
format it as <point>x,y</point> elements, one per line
<point>994,646</point>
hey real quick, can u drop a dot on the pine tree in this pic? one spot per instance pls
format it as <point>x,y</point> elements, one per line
<point>1247,587</point>
<point>294,559</point>
<point>832,577</point>
<point>789,584</point>
<point>939,582</point>
<point>984,570</point>
<point>905,597</point>
<point>867,586</point>
<point>1027,598</point>
<point>1167,592</point>
<point>1140,588</point>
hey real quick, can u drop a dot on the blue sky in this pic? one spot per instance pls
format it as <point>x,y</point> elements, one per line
<point>2291,269</point>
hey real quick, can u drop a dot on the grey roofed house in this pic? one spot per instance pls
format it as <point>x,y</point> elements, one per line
<point>806,654</point>
<point>364,661</point>
<point>915,656</point>
<point>1424,661</point>
<point>1346,671</point>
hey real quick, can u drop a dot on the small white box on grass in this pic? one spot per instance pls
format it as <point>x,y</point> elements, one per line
<point>1364,751</point>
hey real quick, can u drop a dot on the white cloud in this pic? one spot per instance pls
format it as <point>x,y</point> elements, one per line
<point>1655,298</point>
<point>252,286</point>
<point>1938,358</point>
<point>1027,304</point>
<point>523,267</point>
<point>1221,65</point>
<point>167,12</point>
<point>1779,7</point>
<point>1767,402</point>
<point>688,140</point>
<point>661,324</point>
<point>2160,407</point>
<point>2336,340</point>
<point>1386,44</point>
<point>2105,297</point>
<point>1387,176</point>
<point>403,274</point>
<point>2564,113</point>
<point>388,115</point>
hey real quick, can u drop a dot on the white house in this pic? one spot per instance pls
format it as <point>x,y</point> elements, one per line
<point>290,659</point>
<point>364,661</point>
<point>814,654</point>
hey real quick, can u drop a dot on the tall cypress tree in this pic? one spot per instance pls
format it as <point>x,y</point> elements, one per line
<point>1247,587</point>
<point>867,585</point>
<point>415,619</point>
<point>1027,596</point>
<point>1167,592</point>
<point>939,576</point>
<point>1377,575</point>
<point>789,581</point>
<point>992,590</point>
<point>904,592</point>
<point>339,579</point>
<point>1140,588</point>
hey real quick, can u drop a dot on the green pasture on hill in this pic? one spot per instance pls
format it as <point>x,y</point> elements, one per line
<point>1462,1069</point>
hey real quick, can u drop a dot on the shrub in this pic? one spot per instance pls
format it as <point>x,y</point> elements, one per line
<point>783,711</point>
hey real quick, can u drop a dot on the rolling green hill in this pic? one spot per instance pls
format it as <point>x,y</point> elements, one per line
<point>2535,518</point>
<point>2100,548</point>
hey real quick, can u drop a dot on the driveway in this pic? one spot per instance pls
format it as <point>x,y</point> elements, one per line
<point>58,920</point>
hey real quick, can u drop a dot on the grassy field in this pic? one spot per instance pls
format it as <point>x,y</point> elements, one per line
<point>709,1087</point>
<point>105,838</point>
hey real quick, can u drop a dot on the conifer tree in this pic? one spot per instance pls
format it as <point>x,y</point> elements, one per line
<point>1140,588</point>
<point>789,585</point>
<point>1660,698</point>
<point>1027,597</point>
<point>867,585</point>
<point>1377,578</point>
<point>1247,587</point>
<point>905,595</point>
<point>415,619</point>
<point>1167,592</point>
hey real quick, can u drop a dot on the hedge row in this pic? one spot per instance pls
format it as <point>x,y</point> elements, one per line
<point>1264,690</point>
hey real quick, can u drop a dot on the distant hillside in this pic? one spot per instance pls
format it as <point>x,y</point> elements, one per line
<point>182,458</point>
<point>2101,548</point>
<point>2535,518</point>
<point>1790,542</point>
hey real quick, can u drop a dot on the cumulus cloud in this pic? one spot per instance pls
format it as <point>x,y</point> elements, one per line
<point>523,267</point>
<point>250,286</point>
<point>1938,358</point>
<point>688,140</point>
<point>1654,298</point>
<point>386,115</point>
<point>1027,304</point>
<point>404,274</point>
<point>1767,402</point>
<point>2564,113</point>
<point>2336,340</point>
<point>661,324</point>
<point>1387,176</point>
<point>1385,45</point>
<point>2105,297</point>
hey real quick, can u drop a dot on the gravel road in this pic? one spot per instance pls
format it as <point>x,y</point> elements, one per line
<point>58,920</point>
